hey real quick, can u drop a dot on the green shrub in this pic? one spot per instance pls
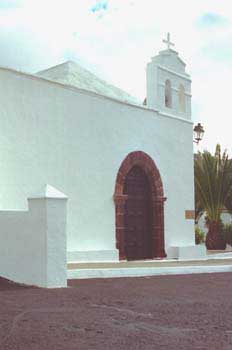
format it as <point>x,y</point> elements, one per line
<point>227,233</point>
<point>199,235</point>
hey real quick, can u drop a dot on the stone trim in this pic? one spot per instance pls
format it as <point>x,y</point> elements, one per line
<point>148,165</point>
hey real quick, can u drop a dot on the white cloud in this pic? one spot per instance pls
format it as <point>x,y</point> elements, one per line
<point>118,40</point>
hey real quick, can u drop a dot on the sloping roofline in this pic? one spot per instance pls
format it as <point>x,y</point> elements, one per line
<point>90,93</point>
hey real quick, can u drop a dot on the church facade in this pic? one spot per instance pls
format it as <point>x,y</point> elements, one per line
<point>126,168</point>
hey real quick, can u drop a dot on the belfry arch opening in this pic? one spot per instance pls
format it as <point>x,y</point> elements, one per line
<point>139,209</point>
<point>168,94</point>
<point>181,93</point>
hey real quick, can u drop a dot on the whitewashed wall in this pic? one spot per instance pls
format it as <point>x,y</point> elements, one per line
<point>33,242</point>
<point>77,141</point>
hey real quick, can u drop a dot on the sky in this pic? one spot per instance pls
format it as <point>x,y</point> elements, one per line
<point>115,39</point>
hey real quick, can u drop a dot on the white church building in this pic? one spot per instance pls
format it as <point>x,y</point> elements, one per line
<point>120,171</point>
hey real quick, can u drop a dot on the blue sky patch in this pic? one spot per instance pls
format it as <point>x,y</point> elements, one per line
<point>211,19</point>
<point>8,4</point>
<point>220,52</point>
<point>99,6</point>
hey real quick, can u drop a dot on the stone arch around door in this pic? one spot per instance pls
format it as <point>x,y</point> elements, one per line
<point>146,163</point>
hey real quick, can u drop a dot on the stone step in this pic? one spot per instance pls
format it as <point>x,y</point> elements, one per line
<point>146,268</point>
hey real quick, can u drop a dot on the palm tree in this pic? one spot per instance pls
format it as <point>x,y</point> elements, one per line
<point>213,188</point>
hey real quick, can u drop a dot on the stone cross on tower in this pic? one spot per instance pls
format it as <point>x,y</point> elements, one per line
<point>168,42</point>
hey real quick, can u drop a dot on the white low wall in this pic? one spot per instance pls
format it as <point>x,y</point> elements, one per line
<point>93,256</point>
<point>194,252</point>
<point>33,242</point>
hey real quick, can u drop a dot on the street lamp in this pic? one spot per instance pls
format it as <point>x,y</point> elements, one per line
<point>198,133</point>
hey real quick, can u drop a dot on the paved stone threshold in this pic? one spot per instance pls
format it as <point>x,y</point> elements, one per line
<point>153,263</point>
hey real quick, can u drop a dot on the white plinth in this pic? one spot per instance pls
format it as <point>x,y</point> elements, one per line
<point>93,256</point>
<point>195,252</point>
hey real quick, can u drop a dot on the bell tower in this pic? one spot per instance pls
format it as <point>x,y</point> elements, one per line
<point>168,84</point>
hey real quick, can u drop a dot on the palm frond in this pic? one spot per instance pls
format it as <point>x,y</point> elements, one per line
<point>213,182</point>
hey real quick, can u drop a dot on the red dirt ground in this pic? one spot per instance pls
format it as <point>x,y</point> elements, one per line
<point>165,312</point>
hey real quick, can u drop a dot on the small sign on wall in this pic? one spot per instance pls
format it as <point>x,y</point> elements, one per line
<point>190,214</point>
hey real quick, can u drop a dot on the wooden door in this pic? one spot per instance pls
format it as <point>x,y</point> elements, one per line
<point>138,216</point>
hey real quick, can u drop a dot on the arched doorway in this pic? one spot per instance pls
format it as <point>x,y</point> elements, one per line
<point>138,215</point>
<point>139,206</point>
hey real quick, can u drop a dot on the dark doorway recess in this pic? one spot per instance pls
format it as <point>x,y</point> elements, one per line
<point>138,215</point>
<point>139,209</point>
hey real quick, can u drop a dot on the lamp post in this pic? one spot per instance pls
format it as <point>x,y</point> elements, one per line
<point>198,133</point>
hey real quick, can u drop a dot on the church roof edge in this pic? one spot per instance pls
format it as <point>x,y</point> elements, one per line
<point>74,74</point>
<point>68,87</point>
<point>90,93</point>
